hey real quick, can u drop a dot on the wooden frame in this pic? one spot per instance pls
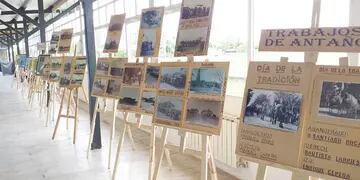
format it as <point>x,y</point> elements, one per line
<point>145,30</point>
<point>192,24</point>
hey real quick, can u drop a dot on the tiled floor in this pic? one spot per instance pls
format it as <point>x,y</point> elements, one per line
<point>27,151</point>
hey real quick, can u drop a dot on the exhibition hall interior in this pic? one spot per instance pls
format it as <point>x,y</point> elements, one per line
<point>179,89</point>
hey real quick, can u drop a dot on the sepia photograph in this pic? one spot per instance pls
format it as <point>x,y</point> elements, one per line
<point>114,33</point>
<point>192,41</point>
<point>117,68</point>
<point>132,76</point>
<point>173,78</point>
<point>340,100</point>
<point>77,79</point>
<point>169,108</point>
<point>196,9</point>
<point>113,88</point>
<point>148,42</point>
<point>203,112</point>
<point>274,109</point>
<point>148,101</point>
<point>54,75</point>
<point>207,80</point>
<point>151,18</point>
<point>65,80</point>
<point>129,96</point>
<point>55,63</point>
<point>102,67</point>
<point>99,87</point>
<point>67,34</point>
<point>152,76</point>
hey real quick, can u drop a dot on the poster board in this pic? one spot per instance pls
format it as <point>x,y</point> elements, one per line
<point>114,33</point>
<point>148,44</point>
<point>65,40</point>
<point>55,68</point>
<point>55,37</point>
<point>191,96</point>
<point>108,77</point>
<point>33,65</point>
<point>324,39</point>
<point>331,137</point>
<point>43,65</point>
<point>274,111</point>
<point>149,88</point>
<point>72,71</point>
<point>194,27</point>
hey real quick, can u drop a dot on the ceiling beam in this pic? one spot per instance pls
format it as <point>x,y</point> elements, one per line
<point>19,12</point>
<point>25,11</point>
<point>10,27</point>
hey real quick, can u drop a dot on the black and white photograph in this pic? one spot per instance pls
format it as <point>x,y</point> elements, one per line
<point>196,9</point>
<point>114,33</point>
<point>132,76</point>
<point>169,108</point>
<point>340,100</point>
<point>79,65</point>
<point>65,80</point>
<point>129,96</point>
<point>113,88</point>
<point>274,109</point>
<point>117,68</point>
<point>54,75</point>
<point>203,112</point>
<point>151,18</point>
<point>207,80</point>
<point>148,42</point>
<point>102,67</point>
<point>77,79</point>
<point>148,101</point>
<point>173,78</point>
<point>192,41</point>
<point>99,87</point>
<point>152,76</point>
<point>67,65</point>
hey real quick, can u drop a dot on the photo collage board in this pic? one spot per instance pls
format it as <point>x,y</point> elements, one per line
<point>194,27</point>
<point>55,69</point>
<point>72,71</point>
<point>148,44</point>
<point>64,44</point>
<point>191,96</point>
<point>43,66</point>
<point>272,115</point>
<point>114,33</point>
<point>55,37</point>
<point>108,77</point>
<point>331,143</point>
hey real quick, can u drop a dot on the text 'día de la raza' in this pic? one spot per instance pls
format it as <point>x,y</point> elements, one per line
<point>330,39</point>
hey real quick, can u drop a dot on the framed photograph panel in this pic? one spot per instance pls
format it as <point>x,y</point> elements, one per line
<point>114,33</point>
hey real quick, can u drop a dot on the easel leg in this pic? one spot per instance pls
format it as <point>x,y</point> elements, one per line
<point>212,166</point>
<point>204,156</point>
<point>85,96</point>
<point>68,109</point>
<point>130,136</point>
<point>121,141</point>
<point>163,143</point>
<point>92,128</point>
<point>261,172</point>
<point>112,131</point>
<point>168,159</point>
<point>58,118</point>
<point>76,115</point>
<point>152,152</point>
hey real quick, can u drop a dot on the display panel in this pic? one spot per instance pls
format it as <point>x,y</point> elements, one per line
<point>65,40</point>
<point>114,33</point>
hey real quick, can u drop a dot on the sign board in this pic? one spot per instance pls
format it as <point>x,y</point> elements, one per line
<point>194,27</point>
<point>331,136</point>
<point>41,46</point>
<point>273,111</point>
<point>150,32</point>
<point>114,33</point>
<point>65,40</point>
<point>327,39</point>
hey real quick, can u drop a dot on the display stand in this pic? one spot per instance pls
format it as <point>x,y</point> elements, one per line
<point>138,125</point>
<point>67,115</point>
<point>35,87</point>
<point>206,154</point>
